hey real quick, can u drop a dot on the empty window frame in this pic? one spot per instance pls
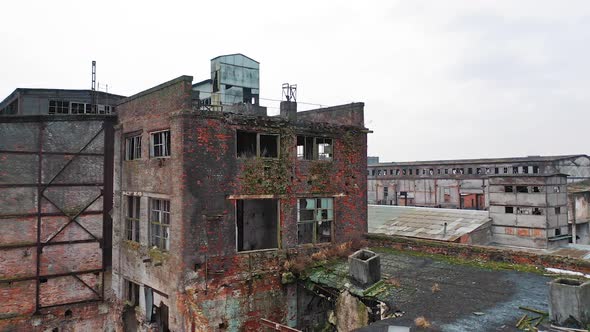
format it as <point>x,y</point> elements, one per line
<point>525,169</point>
<point>132,218</point>
<point>558,210</point>
<point>556,189</point>
<point>508,189</point>
<point>438,171</point>
<point>522,189</point>
<point>470,170</point>
<point>133,147</point>
<point>535,169</point>
<point>478,170</point>
<point>131,291</point>
<point>59,107</point>
<point>378,172</point>
<point>391,172</point>
<point>446,171</point>
<point>250,145</point>
<point>523,210</point>
<point>431,171</point>
<point>537,189</point>
<point>515,170</point>
<point>537,211</point>
<point>160,223</point>
<point>315,217</point>
<point>160,144</point>
<point>373,172</point>
<point>508,209</point>
<point>78,108</point>
<point>397,172</point>
<point>314,148</point>
<point>257,224</point>
<point>411,171</point>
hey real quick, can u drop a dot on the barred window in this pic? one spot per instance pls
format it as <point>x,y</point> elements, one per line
<point>315,217</point>
<point>160,223</point>
<point>132,218</point>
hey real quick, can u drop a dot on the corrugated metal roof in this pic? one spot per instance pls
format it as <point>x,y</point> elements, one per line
<point>427,223</point>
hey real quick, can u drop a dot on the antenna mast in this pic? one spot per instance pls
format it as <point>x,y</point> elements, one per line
<point>93,102</point>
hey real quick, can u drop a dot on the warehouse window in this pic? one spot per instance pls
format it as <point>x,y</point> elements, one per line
<point>132,218</point>
<point>508,189</point>
<point>133,147</point>
<point>160,144</point>
<point>315,217</point>
<point>508,209</point>
<point>522,189</point>
<point>160,223</point>
<point>537,211</point>
<point>59,107</point>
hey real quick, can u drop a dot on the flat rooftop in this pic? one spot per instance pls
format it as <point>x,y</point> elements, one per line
<point>470,297</point>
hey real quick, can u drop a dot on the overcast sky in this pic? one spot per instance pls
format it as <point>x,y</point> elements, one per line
<point>439,79</point>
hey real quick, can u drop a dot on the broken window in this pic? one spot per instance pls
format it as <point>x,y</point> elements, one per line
<point>373,172</point>
<point>478,170</point>
<point>410,171</point>
<point>525,169</point>
<point>378,172</point>
<point>515,170</point>
<point>557,231</point>
<point>522,189</point>
<point>59,107</point>
<point>315,148</point>
<point>133,147</point>
<point>535,169</point>
<point>160,144</point>
<point>424,171</point>
<point>461,171</point>
<point>131,291</point>
<point>508,209</point>
<point>536,189</point>
<point>537,211</point>
<point>132,218</point>
<point>160,223</point>
<point>558,210</point>
<point>522,210</point>
<point>431,171</point>
<point>397,172</point>
<point>508,189</point>
<point>257,224</point>
<point>556,189</point>
<point>390,172</point>
<point>324,148</point>
<point>314,220</point>
<point>404,172</point>
<point>269,146</point>
<point>488,171</point>
<point>246,143</point>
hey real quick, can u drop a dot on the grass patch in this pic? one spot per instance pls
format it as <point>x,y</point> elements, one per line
<point>472,262</point>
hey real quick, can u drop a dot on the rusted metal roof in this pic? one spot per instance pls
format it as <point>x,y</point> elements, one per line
<point>426,223</point>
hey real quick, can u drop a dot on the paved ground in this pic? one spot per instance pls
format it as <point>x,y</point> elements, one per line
<point>463,291</point>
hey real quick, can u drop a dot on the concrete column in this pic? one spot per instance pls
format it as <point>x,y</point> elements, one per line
<point>289,110</point>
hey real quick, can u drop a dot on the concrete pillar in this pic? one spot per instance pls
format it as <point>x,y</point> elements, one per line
<point>289,110</point>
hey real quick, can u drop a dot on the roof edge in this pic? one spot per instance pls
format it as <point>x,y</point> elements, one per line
<point>183,78</point>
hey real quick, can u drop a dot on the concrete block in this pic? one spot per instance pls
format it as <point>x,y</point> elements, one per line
<point>569,298</point>
<point>365,267</point>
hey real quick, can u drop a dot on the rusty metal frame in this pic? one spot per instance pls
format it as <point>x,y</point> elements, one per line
<point>106,193</point>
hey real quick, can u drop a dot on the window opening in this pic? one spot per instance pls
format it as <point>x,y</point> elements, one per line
<point>133,147</point>
<point>160,144</point>
<point>257,224</point>
<point>315,217</point>
<point>132,218</point>
<point>160,223</point>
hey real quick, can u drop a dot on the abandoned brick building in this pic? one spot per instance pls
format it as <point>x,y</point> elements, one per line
<point>209,203</point>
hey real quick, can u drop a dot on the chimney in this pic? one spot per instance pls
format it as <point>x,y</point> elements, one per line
<point>289,110</point>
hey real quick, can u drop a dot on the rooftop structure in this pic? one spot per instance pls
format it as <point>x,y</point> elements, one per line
<point>464,226</point>
<point>25,101</point>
